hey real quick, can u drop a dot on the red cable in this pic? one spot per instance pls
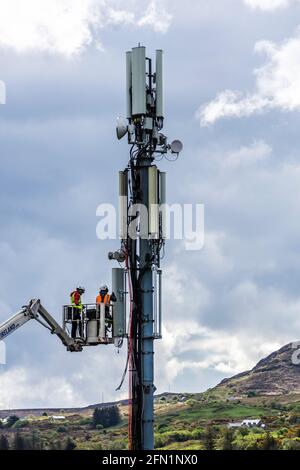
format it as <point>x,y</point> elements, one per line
<point>130,363</point>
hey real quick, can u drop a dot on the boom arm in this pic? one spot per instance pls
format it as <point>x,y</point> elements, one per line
<point>35,310</point>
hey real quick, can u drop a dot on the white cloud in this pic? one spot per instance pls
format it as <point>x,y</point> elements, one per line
<point>230,104</point>
<point>67,26</point>
<point>247,155</point>
<point>277,85</point>
<point>52,25</point>
<point>16,383</point>
<point>267,5</point>
<point>156,16</point>
<point>208,349</point>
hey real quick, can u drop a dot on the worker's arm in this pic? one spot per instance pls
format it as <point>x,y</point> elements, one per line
<point>113,297</point>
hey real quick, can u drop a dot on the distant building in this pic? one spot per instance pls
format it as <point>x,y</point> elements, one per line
<point>58,418</point>
<point>235,425</point>
<point>247,423</point>
<point>252,423</point>
<point>4,420</point>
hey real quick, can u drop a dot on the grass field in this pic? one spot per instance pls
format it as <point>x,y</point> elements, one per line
<point>197,422</point>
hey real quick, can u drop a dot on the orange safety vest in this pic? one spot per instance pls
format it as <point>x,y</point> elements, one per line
<point>105,299</point>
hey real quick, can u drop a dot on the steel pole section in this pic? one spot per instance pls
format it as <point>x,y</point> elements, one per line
<point>147,343</point>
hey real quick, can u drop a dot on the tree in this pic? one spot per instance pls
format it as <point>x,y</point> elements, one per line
<point>35,440</point>
<point>4,444</point>
<point>56,445</point>
<point>227,440</point>
<point>19,443</point>
<point>209,439</point>
<point>70,444</point>
<point>269,442</point>
<point>106,416</point>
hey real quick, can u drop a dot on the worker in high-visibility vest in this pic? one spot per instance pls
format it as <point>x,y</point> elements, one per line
<point>105,298</point>
<point>77,308</point>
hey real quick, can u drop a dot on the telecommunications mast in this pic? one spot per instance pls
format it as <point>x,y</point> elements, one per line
<point>142,230</point>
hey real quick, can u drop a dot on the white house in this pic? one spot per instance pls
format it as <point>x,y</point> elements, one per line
<point>58,418</point>
<point>248,423</point>
<point>253,423</point>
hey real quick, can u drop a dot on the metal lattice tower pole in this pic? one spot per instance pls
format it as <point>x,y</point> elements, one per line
<point>142,231</point>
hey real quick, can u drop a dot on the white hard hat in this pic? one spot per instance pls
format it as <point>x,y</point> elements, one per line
<point>80,288</point>
<point>103,288</point>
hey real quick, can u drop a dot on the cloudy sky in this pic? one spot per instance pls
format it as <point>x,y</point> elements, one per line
<point>233,96</point>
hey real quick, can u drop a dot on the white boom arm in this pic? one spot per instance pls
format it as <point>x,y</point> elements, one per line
<point>35,310</point>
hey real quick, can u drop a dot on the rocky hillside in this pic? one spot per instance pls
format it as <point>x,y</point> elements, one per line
<point>274,375</point>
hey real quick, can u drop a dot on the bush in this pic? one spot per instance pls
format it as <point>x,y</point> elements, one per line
<point>85,422</point>
<point>209,438</point>
<point>56,445</point>
<point>19,443</point>
<point>291,444</point>
<point>269,443</point>
<point>244,431</point>
<point>12,420</point>
<point>165,438</point>
<point>62,429</point>
<point>21,424</point>
<point>294,419</point>
<point>162,427</point>
<point>119,444</point>
<point>192,402</point>
<point>226,440</point>
<point>4,444</point>
<point>70,444</point>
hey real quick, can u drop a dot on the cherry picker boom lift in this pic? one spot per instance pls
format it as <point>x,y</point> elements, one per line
<point>100,324</point>
<point>35,311</point>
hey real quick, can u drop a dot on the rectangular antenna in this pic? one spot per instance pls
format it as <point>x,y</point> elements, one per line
<point>162,203</point>
<point>129,84</point>
<point>159,84</point>
<point>138,81</point>
<point>123,204</point>
<point>153,206</point>
<point>119,317</point>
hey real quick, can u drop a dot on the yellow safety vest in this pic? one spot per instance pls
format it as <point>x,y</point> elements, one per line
<point>79,305</point>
